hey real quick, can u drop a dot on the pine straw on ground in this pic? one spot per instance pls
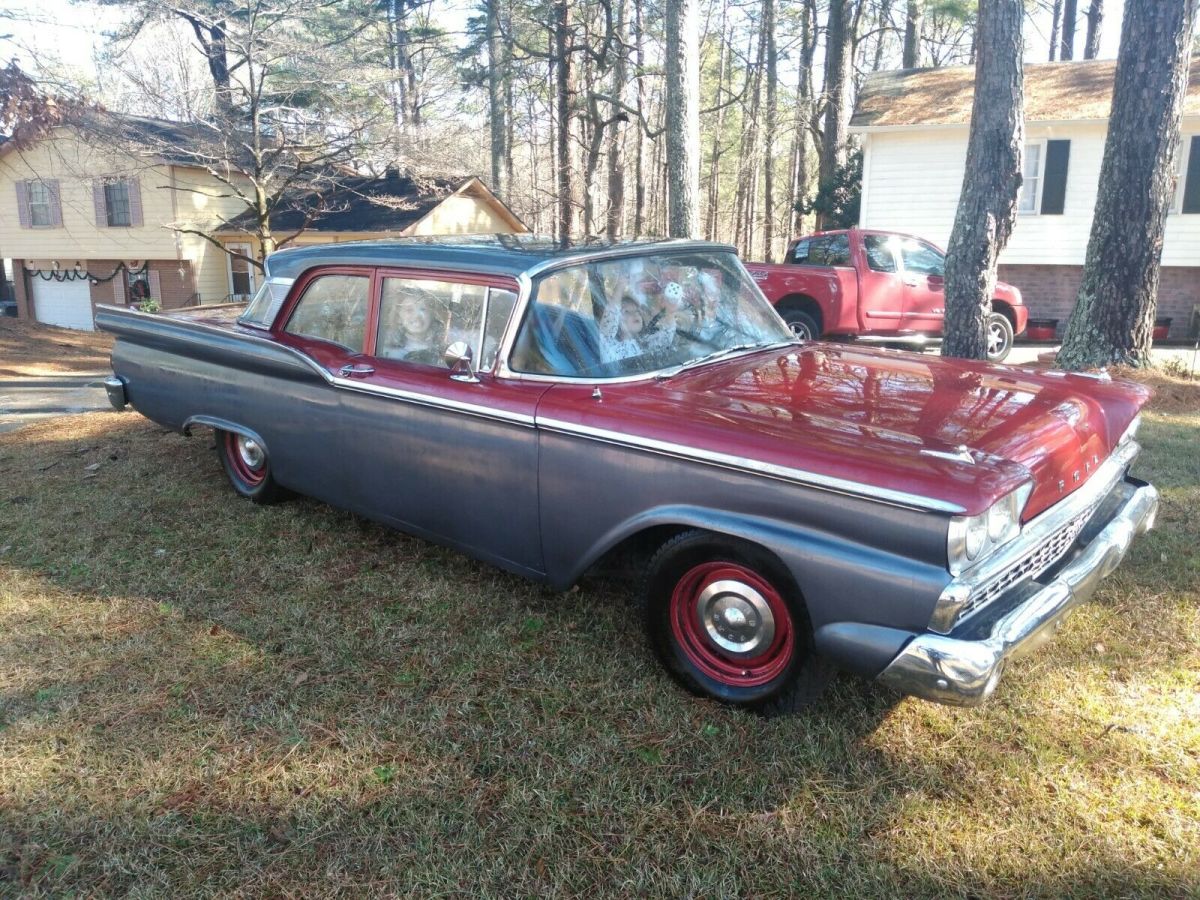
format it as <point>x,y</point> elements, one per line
<point>198,696</point>
<point>32,349</point>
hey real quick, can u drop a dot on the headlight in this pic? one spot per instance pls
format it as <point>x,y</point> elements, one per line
<point>972,538</point>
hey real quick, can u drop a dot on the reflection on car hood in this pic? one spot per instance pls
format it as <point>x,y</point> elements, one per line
<point>959,431</point>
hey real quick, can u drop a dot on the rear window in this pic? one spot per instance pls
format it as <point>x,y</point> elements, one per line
<point>266,303</point>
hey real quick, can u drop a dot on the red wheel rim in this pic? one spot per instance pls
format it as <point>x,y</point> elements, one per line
<point>246,458</point>
<point>701,591</point>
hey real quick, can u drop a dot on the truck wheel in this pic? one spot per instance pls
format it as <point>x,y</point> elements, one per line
<point>728,623</point>
<point>245,462</point>
<point>802,324</point>
<point>999,337</point>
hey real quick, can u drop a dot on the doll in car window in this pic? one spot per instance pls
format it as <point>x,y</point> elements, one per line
<point>625,329</point>
<point>416,333</point>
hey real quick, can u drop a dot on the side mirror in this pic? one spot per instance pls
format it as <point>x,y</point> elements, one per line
<point>458,359</point>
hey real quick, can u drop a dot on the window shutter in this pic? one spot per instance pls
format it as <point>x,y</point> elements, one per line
<point>156,287</point>
<point>55,203</point>
<point>23,204</point>
<point>100,205</point>
<point>118,283</point>
<point>1054,190</point>
<point>135,202</point>
<point>1191,187</point>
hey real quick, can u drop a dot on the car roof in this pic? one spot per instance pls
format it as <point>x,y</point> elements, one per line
<point>497,254</point>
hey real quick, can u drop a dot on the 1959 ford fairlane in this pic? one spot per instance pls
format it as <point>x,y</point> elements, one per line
<point>916,520</point>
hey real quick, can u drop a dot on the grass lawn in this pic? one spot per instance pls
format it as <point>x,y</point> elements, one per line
<point>33,349</point>
<point>201,696</point>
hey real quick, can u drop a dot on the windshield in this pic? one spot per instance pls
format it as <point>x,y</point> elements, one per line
<point>637,315</point>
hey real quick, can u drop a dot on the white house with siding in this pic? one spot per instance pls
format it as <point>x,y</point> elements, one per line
<point>115,210</point>
<point>914,127</point>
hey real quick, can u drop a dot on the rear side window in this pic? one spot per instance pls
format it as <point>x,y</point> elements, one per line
<point>334,308</point>
<point>419,319</point>
<point>267,302</point>
<point>837,251</point>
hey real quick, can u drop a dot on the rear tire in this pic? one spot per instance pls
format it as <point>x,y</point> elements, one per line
<point>727,622</point>
<point>803,325</point>
<point>999,337</point>
<point>245,462</point>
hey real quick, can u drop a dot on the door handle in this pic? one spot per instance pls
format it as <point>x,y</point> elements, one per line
<point>358,370</point>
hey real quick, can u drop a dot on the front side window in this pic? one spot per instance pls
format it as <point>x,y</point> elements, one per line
<point>637,315</point>
<point>116,203</point>
<point>878,248</point>
<point>1031,179</point>
<point>922,258</point>
<point>334,309</point>
<point>40,215</point>
<point>419,319</point>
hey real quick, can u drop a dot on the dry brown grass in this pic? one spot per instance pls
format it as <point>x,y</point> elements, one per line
<point>201,696</point>
<point>31,349</point>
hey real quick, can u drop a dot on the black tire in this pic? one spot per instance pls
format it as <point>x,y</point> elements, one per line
<point>802,324</point>
<point>999,337</point>
<point>250,480</point>
<point>790,679</point>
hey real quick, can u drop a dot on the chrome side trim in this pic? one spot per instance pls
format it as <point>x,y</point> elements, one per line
<point>958,593</point>
<point>965,672</point>
<point>751,466</point>
<point>470,409</point>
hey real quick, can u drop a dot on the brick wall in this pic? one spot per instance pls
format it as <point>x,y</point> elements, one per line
<point>1050,291</point>
<point>177,289</point>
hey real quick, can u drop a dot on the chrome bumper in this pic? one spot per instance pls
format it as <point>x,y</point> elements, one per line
<point>965,672</point>
<point>115,388</point>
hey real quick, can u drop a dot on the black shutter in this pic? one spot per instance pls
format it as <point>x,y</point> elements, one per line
<point>1191,187</point>
<point>1054,191</point>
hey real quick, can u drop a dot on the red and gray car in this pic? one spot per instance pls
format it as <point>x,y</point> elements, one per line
<point>795,506</point>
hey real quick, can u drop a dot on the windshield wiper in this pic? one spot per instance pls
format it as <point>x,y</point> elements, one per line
<point>717,354</point>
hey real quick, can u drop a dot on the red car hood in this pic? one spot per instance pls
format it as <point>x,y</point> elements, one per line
<point>883,419</point>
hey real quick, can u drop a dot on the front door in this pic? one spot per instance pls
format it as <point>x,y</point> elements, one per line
<point>924,285</point>
<point>445,455</point>
<point>241,273</point>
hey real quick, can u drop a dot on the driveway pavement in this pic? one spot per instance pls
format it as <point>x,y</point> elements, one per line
<point>1026,354</point>
<point>29,399</point>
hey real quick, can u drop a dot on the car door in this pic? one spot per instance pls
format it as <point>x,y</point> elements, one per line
<point>448,455</point>
<point>880,289</point>
<point>924,268</point>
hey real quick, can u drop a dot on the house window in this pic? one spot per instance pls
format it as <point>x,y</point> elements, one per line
<point>1031,175</point>
<point>41,213</point>
<point>1183,166</point>
<point>116,203</point>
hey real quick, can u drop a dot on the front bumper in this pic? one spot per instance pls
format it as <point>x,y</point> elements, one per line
<point>964,669</point>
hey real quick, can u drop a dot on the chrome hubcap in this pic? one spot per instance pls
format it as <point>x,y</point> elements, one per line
<point>736,617</point>
<point>250,452</point>
<point>995,338</point>
<point>800,331</point>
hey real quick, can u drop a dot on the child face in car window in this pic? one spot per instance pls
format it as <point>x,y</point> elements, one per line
<point>633,318</point>
<point>415,316</point>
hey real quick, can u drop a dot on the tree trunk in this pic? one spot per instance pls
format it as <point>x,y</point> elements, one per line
<point>714,164</point>
<point>1070,14</point>
<point>496,107</point>
<point>563,90</point>
<point>987,207</point>
<point>838,60</point>
<point>769,132</point>
<point>1095,16</point>
<point>1055,26</point>
<point>639,163</point>
<point>1113,319</point>
<point>913,21</point>
<point>683,118</point>
<point>615,224</point>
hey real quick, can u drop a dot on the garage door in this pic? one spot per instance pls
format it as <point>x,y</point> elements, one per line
<point>65,303</point>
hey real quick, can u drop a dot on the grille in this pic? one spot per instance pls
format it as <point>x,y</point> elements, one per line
<point>1038,561</point>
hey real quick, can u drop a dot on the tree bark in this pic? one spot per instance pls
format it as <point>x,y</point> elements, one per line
<point>615,224</point>
<point>639,163</point>
<point>1070,14</point>
<point>987,207</point>
<point>1055,28</point>
<point>1095,16</point>
<point>769,124</point>
<point>714,164</point>
<point>913,22</point>
<point>496,107</point>
<point>563,92</point>
<point>838,61</point>
<point>682,118</point>
<point>1113,319</point>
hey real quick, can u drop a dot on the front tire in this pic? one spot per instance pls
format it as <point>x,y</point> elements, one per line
<point>245,462</point>
<point>999,337</point>
<point>727,622</point>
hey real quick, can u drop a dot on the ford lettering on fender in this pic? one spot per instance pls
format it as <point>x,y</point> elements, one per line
<point>794,506</point>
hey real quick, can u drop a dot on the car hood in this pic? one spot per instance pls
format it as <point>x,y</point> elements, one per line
<point>962,433</point>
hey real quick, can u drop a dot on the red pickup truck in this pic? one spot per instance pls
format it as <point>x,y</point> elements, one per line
<point>875,286</point>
